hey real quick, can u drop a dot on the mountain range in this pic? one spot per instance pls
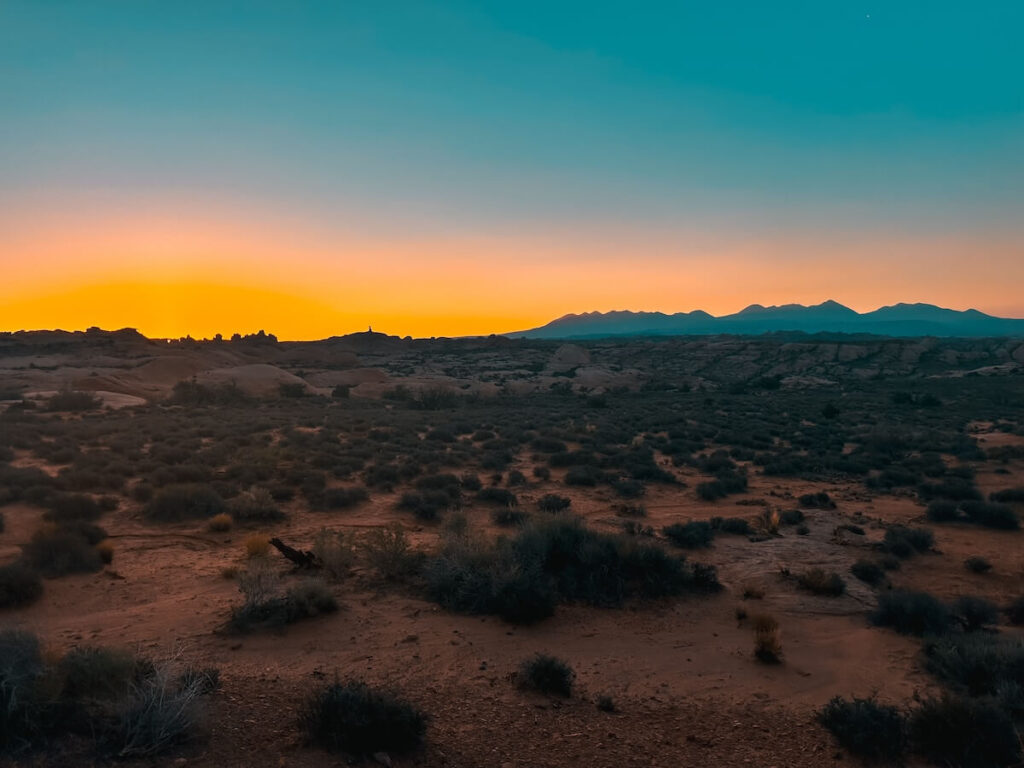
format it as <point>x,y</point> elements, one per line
<point>827,317</point>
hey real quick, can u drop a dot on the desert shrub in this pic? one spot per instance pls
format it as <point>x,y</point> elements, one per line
<point>20,585</point>
<point>1015,611</point>
<point>942,511</point>
<point>309,598</point>
<point>159,711</point>
<point>631,510</point>
<point>736,525</point>
<point>426,506</point>
<point>951,488</point>
<point>791,517</point>
<point>98,673</point>
<point>547,674</point>
<point>912,613</point>
<point>24,715</point>
<point>963,732</point>
<point>767,646</point>
<point>628,488</point>
<point>556,559</point>
<point>515,477</point>
<point>976,664</point>
<point>334,550</point>
<point>901,541</point>
<point>354,718</point>
<point>552,502</point>
<point>1008,495</point>
<point>59,550</point>
<point>991,515</point>
<point>974,613</point>
<point>254,506</point>
<point>866,728</point>
<point>802,530</point>
<point>72,506</point>
<point>205,679</point>
<point>185,501</point>
<point>606,703</point>
<point>821,582</point>
<point>343,498</point>
<point>868,571</point>
<point>542,473</point>
<point>693,535</point>
<point>501,496</point>
<point>220,523</point>
<point>264,606</point>
<point>391,554</point>
<point>584,476</point>
<point>470,482</point>
<point>820,500</point>
<point>192,393</point>
<point>507,516</point>
<point>73,402</point>
<point>977,564</point>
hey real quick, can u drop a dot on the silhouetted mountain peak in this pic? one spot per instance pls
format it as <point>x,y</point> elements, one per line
<point>902,319</point>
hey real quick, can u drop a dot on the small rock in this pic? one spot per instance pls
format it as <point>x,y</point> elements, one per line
<point>382,758</point>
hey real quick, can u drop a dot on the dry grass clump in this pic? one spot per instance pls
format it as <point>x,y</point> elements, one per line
<point>257,545</point>
<point>818,581</point>
<point>767,646</point>
<point>220,523</point>
<point>105,549</point>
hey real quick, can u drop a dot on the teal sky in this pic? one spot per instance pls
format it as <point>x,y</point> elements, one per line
<point>505,119</point>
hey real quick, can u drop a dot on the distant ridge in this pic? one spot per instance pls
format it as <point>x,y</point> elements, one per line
<point>827,317</point>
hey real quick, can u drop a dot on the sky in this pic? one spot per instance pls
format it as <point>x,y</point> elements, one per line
<point>453,168</point>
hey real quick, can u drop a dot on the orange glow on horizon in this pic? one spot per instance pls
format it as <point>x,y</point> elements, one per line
<point>202,277</point>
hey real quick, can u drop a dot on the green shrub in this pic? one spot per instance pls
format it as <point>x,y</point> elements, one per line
<point>696,534</point>
<point>968,733</point>
<point>20,585</point>
<point>912,613</point>
<point>547,674</point>
<point>185,501</point>
<point>354,718</point>
<point>870,730</point>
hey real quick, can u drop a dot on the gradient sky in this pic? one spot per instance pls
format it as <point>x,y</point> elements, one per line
<point>450,168</point>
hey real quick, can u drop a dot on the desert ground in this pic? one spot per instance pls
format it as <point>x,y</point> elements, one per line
<point>692,500</point>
